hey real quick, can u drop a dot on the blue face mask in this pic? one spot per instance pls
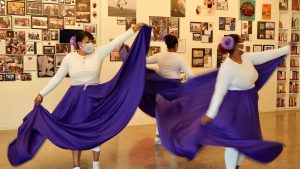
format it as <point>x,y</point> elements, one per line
<point>88,47</point>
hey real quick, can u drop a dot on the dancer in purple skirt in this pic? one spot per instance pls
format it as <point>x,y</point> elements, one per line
<point>84,68</point>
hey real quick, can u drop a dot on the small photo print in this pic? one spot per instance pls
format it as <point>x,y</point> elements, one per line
<point>257,48</point>
<point>56,23</point>
<point>49,50</point>
<point>58,60</point>
<point>39,22</point>
<point>196,27</point>
<point>67,10</point>
<point>227,24</point>
<point>92,28</point>
<point>268,47</point>
<point>69,21</point>
<point>34,8</point>
<point>63,48</point>
<point>46,35</point>
<point>34,35</point>
<point>5,22</point>
<point>54,35</point>
<point>22,22</point>
<point>26,77</point>
<point>197,62</point>
<point>15,8</point>
<point>10,77</point>
<point>153,50</point>
<point>51,9</point>
<point>45,65</point>
<point>197,36</point>
<point>30,48</point>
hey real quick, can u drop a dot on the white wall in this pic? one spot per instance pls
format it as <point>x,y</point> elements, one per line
<point>17,97</point>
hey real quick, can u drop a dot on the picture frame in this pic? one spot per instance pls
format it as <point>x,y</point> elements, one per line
<point>67,11</point>
<point>247,10</point>
<point>30,62</point>
<point>207,59</point>
<point>227,23</point>
<point>83,11</point>
<point>121,21</point>
<point>56,23</point>
<point>45,66</point>
<point>197,62</point>
<point>153,50</point>
<point>265,30</point>
<point>181,46</point>
<point>46,35</point>
<point>33,35</point>
<point>26,77</point>
<point>3,7</point>
<point>9,77</point>
<point>58,60</point>
<point>69,21</point>
<point>257,48</point>
<point>121,8</point>
<point>14,63</point>
<point>51,9</point>
<point>5,22</point>
<point>30,48</point>
<point>1,77</point>
<point>54,35</point>
<point>34,8</point>
<point>178,8</point>
<point>163,26</point>
<point>197,57</point>
<point>268,47</point>
<point>196,27</point>
<point>49,50</point>
<point>22,22</point>
<point>62,48</point>
<point>246,30</point>
<point>92,28</point>
<point>15,7</point>
<point>130,21</point>
<point>197,36</point>
<point>39,22</point>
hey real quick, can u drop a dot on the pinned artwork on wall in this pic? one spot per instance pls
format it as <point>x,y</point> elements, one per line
<point>295,5</point>
<point>247,10</point>
<point>206,7</point>
<point>83,11</point>
<point>202,31</point>
<point>67,11</point>
<point>122,8</point>
<point>92,28</point>
<point>30,62</point>
<point>227,24</point>
<point>222,5</point>
<point>56,23</point>
<point>202,57</point>
<point>266,11</point>
<point>62,48</point>
<point>181,46</point>
<point>33,35</point>
<point>268,47</point>
<point>15,42</point>
<point>246,30</point>
<point>178,8</point>
<point>265,30</point>
<point>45,65</point>
<point>162,26</point>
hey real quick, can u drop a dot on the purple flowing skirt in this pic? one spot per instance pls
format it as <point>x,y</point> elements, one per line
<point>236,125</point>
<point>86,118</point>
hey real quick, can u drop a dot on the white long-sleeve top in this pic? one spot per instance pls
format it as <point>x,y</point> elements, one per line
<point>84,70</point>
<point>235,76</point>
<point>170,65</point>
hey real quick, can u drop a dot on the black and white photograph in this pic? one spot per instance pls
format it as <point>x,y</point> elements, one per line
<point>67,10</point>
<point>22,22</point>
<point>50,9</point>
<point>34,8</point>
<point>45,65</point>
<point>178,8</point>
<point>62,48</point>
<point>268,47</point>
<point>39,22</point>
<point>33,35</point>
<point>197,36</point>
<point>30,62</point>
<point>5,22</point>
<point>49,50</point>
<point>56,23</point>
<point>122,8</point>
<point>54,35</point>
<point>46,35</point>
<point>30,48</point>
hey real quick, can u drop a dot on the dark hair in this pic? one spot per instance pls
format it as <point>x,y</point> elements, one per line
<point>80,36</point>
<point>236,39</point>
<point>171,41</point>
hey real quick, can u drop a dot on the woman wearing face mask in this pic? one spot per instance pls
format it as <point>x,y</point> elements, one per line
<point>84,67</point>
<point>228,112</point>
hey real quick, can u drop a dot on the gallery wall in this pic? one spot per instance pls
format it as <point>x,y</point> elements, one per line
<point>17,97</point>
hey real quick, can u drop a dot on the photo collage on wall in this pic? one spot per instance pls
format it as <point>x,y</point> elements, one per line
<point>30,35</point>
<point>202,57</point>
<point>202,31</point>
<point>265,30</point>
<point>162,26</point>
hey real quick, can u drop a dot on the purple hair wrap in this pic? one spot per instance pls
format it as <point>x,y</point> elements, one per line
<point>228,43</point>
<point>73,41</point>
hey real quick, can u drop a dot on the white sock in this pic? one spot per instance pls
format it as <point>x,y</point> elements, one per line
<point>231,158</point>
<point>76,168</point>
<point>96,165</point>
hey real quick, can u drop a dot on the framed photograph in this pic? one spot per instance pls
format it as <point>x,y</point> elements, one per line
<point>246,30</point>
<point>295,5</point>
<point>247,48</point>
<point>51,9</point>
<point>39,22</point>
<point>45,65</point>
<point>197,62</point>
<point>58,60</point>
<point>49,50</point>
<point>153,50</point>
<point>227,24</point>
<point>265,30</point>
<point>1,77</point>
<point>83,17</point>
<point>178,8</point>
<point>69,21</point>
<point>46,35</point>
<point>197,36</point>
<point>130,21</point>
<point>92,28</point>
<point>34,8</point>
<point>222,5</point>
<point>162,26</point>
<point>22,22</point>
<point>26,77</point>
<point>15,7</point>
<point>257,48</point>
<point>122,8</point>
<point>30,48</point>
<point>173,25</point>
<point>5,22</point>
<point>121,21</point>
<point>268,47</point>
<point>67,10</point>
<point>207,58</point>
<point>266,11</point>
<point>30,62</point>
<point>10,77</point>
<point>54,35</point>
<point>283,5</point>
<point>181,46</point>
<point>33,35</point>
<point>3,7</point>
<point>14,63</point>
<point>196,27</point>
<point>247,10</point>
<point>56,23</point>
<point>198,52</point>
<point>63,48</point>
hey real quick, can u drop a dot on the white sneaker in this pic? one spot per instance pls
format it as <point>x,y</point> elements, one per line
<point>157,141</point>
<point>96,165</point>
